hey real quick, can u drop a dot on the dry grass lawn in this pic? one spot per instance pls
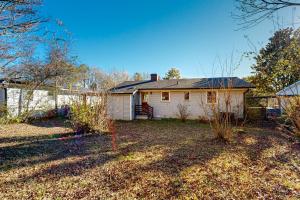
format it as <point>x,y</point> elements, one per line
<point>155,160</point>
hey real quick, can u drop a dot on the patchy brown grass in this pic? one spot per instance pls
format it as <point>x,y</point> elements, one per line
<point>155,160</point>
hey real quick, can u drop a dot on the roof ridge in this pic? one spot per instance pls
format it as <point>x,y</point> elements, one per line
<point>199,78</point>
<point>190,83</point>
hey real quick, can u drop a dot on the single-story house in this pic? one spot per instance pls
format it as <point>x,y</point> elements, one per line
<point>160,98</point>
<point>14,96</point>
<point>287,94</point>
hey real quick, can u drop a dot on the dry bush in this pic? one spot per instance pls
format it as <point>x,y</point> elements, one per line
<point>90,117</point>
<point>223,107</point>
<point>289,100</point>
<point>221,125</point>
<point>291,108</point>
<point>3,110</point>
<point>203,119</point>
<point>221,113</point>
<point>183,112</point>
<point>6,118</point>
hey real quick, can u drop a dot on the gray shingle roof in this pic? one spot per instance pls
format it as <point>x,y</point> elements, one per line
<point>128,87</point>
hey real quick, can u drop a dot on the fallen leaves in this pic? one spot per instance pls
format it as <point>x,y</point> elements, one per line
<point>155,160</point>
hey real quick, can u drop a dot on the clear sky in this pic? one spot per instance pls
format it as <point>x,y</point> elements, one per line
<point>154,35</point>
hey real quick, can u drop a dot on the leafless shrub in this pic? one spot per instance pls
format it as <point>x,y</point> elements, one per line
<point>89,113</point>
<point>221,104</point>
<point>220,114</point>
<point>291,108</point>
<point>294,114</point>
<point>289,100</point>
<point>90,116</point>
<point>203,119</point>
<point>183,112</point>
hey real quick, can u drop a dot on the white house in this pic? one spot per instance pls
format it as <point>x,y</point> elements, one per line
<point>287,94</point>
<point>160,98</point>
<point>14,95</point>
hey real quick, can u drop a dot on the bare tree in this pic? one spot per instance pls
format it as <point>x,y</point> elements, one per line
<point>47,70</point>
<point>140,76</point>
<point>101,80</point>
<point>98,79</point>
<point>117,77</point>
<point>253,12</point>
<point>35,73</point>
<point>17,17</point>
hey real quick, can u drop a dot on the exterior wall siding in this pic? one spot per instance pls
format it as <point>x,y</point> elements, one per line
<point>13,96</point>
<point>197,105</point>
<point>236,102</point>
<point>120,107</point>
<point>66,99</point>
<point>41,101</point>
<point>16,100</point>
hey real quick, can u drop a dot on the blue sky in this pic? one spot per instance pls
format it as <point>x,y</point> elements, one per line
<point>154,35</point>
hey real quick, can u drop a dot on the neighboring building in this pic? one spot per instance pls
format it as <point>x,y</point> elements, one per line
<point>292,90</point>
<point>287,94</point>
<point>160,98</point>
<point>14,96</point>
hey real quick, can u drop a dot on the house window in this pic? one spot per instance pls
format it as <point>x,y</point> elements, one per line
<point>212,97</point>
<point>165,96</point>
<point>186,96</point>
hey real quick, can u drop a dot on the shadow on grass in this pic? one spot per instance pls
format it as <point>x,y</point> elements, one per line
<point>35,138</point>
<point>37,150</point>
<point>199,151</point>
<point>23,139</point>
<point>50,123</point>
<point>188,144</point>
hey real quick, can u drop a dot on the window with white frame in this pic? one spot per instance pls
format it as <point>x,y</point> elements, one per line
<point>211,97</point>
<point>186,96</point>
<point>165,96</point>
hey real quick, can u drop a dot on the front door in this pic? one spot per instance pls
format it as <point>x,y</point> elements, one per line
<point>144,99</point>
